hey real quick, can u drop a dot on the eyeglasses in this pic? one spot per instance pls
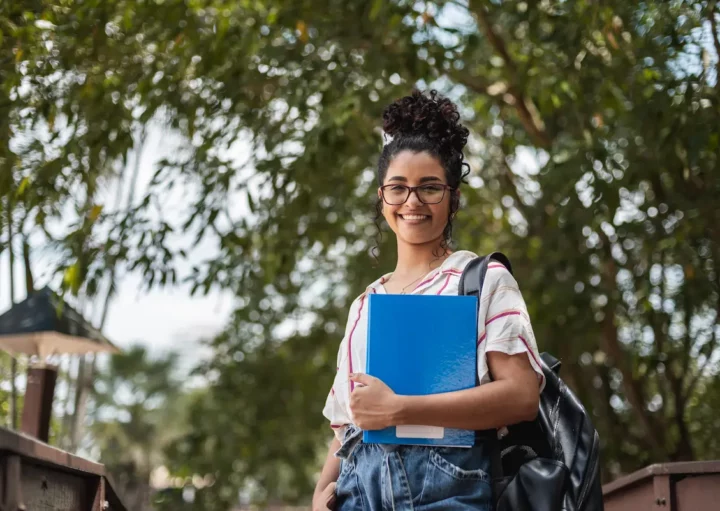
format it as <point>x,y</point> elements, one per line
<point>394,195</point>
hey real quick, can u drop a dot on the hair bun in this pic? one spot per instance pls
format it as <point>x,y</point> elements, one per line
<point>432,116</point>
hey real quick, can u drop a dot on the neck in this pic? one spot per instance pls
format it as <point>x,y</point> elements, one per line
<point>413,259</point>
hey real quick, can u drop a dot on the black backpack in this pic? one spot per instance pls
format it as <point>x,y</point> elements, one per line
<point>553,462</point>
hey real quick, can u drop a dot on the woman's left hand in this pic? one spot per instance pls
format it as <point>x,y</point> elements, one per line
<point>373,404</point>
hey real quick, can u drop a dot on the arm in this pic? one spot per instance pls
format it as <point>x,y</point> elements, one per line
<point>330,472</point>
<point>512,397</point>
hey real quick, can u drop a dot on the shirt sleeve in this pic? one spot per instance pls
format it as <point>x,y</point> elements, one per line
<point>334,412</point>
<point>505,324</point>
<point>335,409</point>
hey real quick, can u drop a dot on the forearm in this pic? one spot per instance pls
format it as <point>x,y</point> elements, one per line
<point>331,468</point>
<point>492,405</point>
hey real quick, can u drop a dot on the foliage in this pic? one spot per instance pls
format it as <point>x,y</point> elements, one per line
<point>5,393</point>
<point>137,412</point>
<point>594,161</point>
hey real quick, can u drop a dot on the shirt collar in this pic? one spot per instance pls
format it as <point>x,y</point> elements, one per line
<point>456,261</point>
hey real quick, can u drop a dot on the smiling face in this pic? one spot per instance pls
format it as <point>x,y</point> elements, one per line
<point>413,222</point>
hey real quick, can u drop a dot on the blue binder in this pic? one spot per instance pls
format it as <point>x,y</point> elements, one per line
<point>419,345</point>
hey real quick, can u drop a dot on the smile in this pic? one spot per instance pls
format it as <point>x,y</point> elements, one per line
<point>414,218</point>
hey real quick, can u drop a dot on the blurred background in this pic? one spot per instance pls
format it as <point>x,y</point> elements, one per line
<point>196,177</point>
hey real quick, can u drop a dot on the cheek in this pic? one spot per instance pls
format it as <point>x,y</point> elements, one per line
<point>441,211</point>
<point>389,210</point>
<point>389,213</point>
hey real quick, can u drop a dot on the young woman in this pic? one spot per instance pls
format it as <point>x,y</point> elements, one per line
<point>419,175</point>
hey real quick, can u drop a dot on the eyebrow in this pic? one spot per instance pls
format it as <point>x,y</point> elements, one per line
<point>422,179</point>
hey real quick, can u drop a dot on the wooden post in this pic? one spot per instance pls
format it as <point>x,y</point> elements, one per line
<point>12,486</point>
<point>39,396</point>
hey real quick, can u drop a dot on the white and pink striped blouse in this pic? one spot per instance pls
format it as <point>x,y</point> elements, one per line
<point>503,325</point>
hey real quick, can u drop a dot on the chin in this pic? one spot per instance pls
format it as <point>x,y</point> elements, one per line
<point>419,240</point>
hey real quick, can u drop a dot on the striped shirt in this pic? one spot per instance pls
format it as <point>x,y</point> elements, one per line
<point>503,325</point>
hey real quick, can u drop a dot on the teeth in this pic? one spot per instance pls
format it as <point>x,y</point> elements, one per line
<point>414,217</point>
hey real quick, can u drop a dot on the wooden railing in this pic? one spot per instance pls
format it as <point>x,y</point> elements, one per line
<point>688,486</point>
<point>37,476</point>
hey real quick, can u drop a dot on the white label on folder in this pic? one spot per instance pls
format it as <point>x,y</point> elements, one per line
<point>434,432</point>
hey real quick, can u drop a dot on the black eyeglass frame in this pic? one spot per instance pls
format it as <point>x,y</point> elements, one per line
<point>412,189</point>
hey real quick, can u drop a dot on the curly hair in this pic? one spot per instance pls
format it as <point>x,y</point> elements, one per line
<point>425,123</point>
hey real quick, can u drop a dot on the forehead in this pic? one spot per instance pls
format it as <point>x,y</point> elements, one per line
<point>414,166</point>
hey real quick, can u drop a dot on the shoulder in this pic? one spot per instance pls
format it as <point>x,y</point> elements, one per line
<point>359,302</point>
<point>497,278</point>
<point>500,288</point>
<point>499,275</point>
<point>457,261</point>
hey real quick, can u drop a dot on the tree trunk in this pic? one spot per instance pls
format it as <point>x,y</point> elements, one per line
<point>683,449</point>
<point>29,281</point>
<point>13,361</point>
<point>631,386</point>
<point>86,370</point>
<point>78,415</point>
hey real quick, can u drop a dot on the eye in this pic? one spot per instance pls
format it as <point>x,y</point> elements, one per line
<point>432,188</point>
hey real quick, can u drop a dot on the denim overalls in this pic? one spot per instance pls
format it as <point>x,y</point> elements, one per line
<point>378,477</point>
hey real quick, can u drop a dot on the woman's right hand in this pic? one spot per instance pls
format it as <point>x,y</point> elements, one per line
<point>325,500</point>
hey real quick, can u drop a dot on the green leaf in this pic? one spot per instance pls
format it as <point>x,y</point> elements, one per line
<point>376,8</point>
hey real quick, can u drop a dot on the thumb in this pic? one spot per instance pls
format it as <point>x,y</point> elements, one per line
<point>364,379</point>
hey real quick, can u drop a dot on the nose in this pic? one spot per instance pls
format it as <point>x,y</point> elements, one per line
<point>414,200</point>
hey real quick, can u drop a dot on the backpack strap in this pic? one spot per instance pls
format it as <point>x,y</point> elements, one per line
<point>471,283</point>
<point>473,277</point>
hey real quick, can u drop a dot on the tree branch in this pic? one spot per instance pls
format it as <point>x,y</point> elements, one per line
<point>691,386</point>
<point>688,342</point>
<point>474,83</point>
<point>526,109</point>
<point>508,176</point>
<point>683,447</point>
<point>660,338</point>
<point>29,280</point>
<point>676,375</point>
<point>611,345</point>
<point>712,8</point>
<point>713,345</point>
<point>660,347</point>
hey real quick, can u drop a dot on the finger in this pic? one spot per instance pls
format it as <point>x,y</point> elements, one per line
<point>329,491</point>
<point>362,378</point>
<point>329,494</point>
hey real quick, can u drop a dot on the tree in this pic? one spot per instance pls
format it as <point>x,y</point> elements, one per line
<point>136,411</point>
<point>594,162</point>
<point>618,284</point>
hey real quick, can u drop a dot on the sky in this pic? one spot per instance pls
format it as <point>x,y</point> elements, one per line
<point>160,319</point>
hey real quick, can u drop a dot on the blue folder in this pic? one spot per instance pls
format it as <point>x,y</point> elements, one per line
<point>420,345</point>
